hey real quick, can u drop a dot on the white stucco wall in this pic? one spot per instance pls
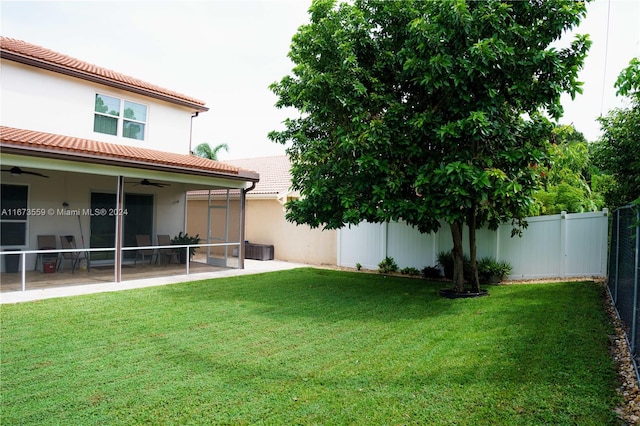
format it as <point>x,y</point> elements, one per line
<point>35,99</point>
<point>265,223</point>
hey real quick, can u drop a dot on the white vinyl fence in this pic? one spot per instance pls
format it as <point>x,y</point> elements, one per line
<point>564,245</point>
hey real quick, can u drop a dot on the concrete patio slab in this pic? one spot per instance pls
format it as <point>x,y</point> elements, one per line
<point>251,267</point>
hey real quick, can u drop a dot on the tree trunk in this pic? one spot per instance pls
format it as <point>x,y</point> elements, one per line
<point>473,252</point>
<point>458,260</point>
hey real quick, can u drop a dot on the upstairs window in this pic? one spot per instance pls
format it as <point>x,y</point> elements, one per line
<point>114,116</point>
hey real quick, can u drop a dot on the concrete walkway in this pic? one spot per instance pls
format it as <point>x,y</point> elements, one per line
<point>251,267</point>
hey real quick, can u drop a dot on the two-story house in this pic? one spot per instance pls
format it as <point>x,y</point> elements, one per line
<point>90,152</point>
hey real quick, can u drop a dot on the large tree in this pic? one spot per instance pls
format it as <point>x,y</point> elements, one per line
<point>617,153</point>
<point>422,111</point>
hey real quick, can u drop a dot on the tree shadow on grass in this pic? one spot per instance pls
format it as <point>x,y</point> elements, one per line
<point>324,295</point>
<point>407,376</point>
<point>540,334</point>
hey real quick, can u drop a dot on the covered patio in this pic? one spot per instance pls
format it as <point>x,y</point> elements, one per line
<point>38,280</point>
<point>105,195</point>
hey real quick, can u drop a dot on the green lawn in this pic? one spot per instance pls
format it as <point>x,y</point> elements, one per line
<point>310,346</point>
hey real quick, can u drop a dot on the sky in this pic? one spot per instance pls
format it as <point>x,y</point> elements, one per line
<point>228,52</point>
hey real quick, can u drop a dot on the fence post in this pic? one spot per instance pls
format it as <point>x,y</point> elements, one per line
<point>339,246</point>
<point>563,244</point>
<point>605,242</point>
<point>385,238</point>
<point>497,252</point>
<point>434,248</point>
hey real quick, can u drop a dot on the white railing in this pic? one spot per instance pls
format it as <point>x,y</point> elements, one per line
<point>23,254</point>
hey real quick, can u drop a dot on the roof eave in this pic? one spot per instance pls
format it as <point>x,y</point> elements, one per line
<point>242,175</point>
<point>26,60</point>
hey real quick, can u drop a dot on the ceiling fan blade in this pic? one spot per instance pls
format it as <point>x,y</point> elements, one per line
<point>146,182</point>
<point>34,174</point>
<point>17,171</point>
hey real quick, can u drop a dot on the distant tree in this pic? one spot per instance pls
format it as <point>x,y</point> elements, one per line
<point>617,153</point>
<point>204,150</point>
<point>422,110</point>
<point>568,177</point>
<point>100,106</point>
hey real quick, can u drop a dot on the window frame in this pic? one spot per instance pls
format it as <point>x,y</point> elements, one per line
<point>121,119</point>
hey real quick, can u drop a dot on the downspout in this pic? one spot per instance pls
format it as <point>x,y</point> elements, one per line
<point>243,196</point>
<point>191,129</point>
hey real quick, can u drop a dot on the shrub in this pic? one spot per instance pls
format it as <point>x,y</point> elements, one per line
<point>410,270</point>
<point>358,266</point>
<point>186,239</point>
<point>387,265</point>
<point>445,260</point>
<point>489,267</point>
<point>431,272</point>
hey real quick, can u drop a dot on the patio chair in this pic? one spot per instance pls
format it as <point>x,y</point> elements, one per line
<point>69,242</point>
<point>46,242</point>
<point>144,240</point>
<point>167,254</point>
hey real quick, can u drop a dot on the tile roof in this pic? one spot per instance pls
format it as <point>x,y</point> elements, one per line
<point>48,145</point>
<point>34,55</point>
<point>275,176</point>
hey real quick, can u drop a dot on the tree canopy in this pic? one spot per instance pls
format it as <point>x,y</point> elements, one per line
<point>425,111</point>
<point>570,182</point>
<point>204,150</point>
<point>617,153</point>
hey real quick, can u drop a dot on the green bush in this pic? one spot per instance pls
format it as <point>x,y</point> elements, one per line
<point>387,265</point>
<point>489,267</point>
<point>431,272</point>
<point>409,270</point>
<point>445,260</point>
<point>186,239</point>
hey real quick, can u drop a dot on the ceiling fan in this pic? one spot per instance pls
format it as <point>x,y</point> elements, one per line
<point>146,182</point>
<point>17,171</point>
